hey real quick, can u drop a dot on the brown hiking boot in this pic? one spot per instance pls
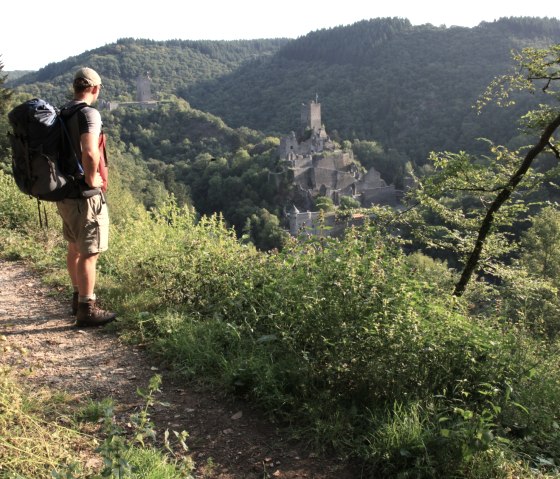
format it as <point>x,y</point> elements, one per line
<point>90,315</point>
<point>75,303</point>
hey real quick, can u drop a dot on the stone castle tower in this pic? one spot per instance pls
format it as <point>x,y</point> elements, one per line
<point>143,89</point>
<point>311,116</point>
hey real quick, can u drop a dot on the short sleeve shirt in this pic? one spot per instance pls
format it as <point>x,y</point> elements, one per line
<point>86,120</point>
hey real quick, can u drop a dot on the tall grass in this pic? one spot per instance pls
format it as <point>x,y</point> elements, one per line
<point>31,445</point>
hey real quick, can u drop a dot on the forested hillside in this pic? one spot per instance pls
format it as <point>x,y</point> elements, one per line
<point>410,88</point>
<point>395,91</point>
<point>172,65</point>
<point>204,162</point>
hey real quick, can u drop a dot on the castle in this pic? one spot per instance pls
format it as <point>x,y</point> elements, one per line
<point>144,97</point>
<point>318,168</point>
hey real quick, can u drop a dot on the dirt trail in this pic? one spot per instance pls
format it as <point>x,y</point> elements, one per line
<point>46,349</point>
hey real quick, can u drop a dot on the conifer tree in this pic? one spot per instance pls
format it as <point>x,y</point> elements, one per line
<point>4,93</point>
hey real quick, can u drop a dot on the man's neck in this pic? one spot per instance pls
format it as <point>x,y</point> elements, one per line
<point>84,98</point>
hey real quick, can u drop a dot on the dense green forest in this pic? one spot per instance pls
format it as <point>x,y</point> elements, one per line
<point>363,345</point>
<point>410,88</point>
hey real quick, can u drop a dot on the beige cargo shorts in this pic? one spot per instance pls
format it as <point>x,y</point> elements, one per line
<point>86,223</point>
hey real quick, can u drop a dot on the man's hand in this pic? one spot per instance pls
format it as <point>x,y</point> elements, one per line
<point>96,181</point>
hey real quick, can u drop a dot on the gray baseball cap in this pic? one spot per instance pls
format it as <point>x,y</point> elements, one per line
<point>88,74</point>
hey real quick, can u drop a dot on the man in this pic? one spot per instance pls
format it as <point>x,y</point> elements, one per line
<point>86,219</point>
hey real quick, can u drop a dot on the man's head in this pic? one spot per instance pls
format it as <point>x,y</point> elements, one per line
<point>87,78</point>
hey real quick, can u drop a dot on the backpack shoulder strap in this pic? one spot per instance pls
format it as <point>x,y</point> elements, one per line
<point>68,111</point>
<point>65,114</point>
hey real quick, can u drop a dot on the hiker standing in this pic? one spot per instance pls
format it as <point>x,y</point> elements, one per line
<point>86,219</point>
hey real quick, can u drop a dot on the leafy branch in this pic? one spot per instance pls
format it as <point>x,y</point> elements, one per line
<point>500,199</point>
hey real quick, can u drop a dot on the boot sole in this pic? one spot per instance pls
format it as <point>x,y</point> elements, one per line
<point>83,324</point>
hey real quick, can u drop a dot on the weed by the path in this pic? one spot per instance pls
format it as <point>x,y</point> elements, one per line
<point>34,444</point>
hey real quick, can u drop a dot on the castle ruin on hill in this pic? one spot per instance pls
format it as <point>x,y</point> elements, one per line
<point>144,98</point>
<point>318,168</point>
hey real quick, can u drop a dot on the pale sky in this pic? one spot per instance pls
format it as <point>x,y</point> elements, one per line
<point>35,33</point>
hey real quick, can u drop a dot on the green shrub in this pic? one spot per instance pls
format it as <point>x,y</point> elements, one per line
<point>18,211</point>
<point>350,326</point>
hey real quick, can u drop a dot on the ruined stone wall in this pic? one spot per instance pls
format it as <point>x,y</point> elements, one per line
<point>340,161</point>
<point>386,196</point>
<point>372,179</point>
<point>288,146</point>
<point>344,181</point>
<point>303,161</point>
<point>324,181</point>
<point>304,178</point>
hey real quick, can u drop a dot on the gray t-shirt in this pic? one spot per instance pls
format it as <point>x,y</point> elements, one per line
<point>85,120</point>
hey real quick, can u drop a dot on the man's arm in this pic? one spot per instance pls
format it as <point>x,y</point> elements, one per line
<point>90,159</point>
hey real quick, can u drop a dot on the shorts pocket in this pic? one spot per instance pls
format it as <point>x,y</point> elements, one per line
<point>103,227</point>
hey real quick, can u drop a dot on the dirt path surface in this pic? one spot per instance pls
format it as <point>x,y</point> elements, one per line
<point>46,349</point>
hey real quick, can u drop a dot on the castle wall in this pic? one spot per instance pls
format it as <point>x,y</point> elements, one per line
<point>372,179</point>
<point>333,161</point>
<point>344,181</point>
<point>301,162</point>
<point>304,178</point>
<point>386,196</point>
<point>288,146</point>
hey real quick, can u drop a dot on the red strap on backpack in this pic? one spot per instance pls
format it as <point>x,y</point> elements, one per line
<point>103,163</point>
